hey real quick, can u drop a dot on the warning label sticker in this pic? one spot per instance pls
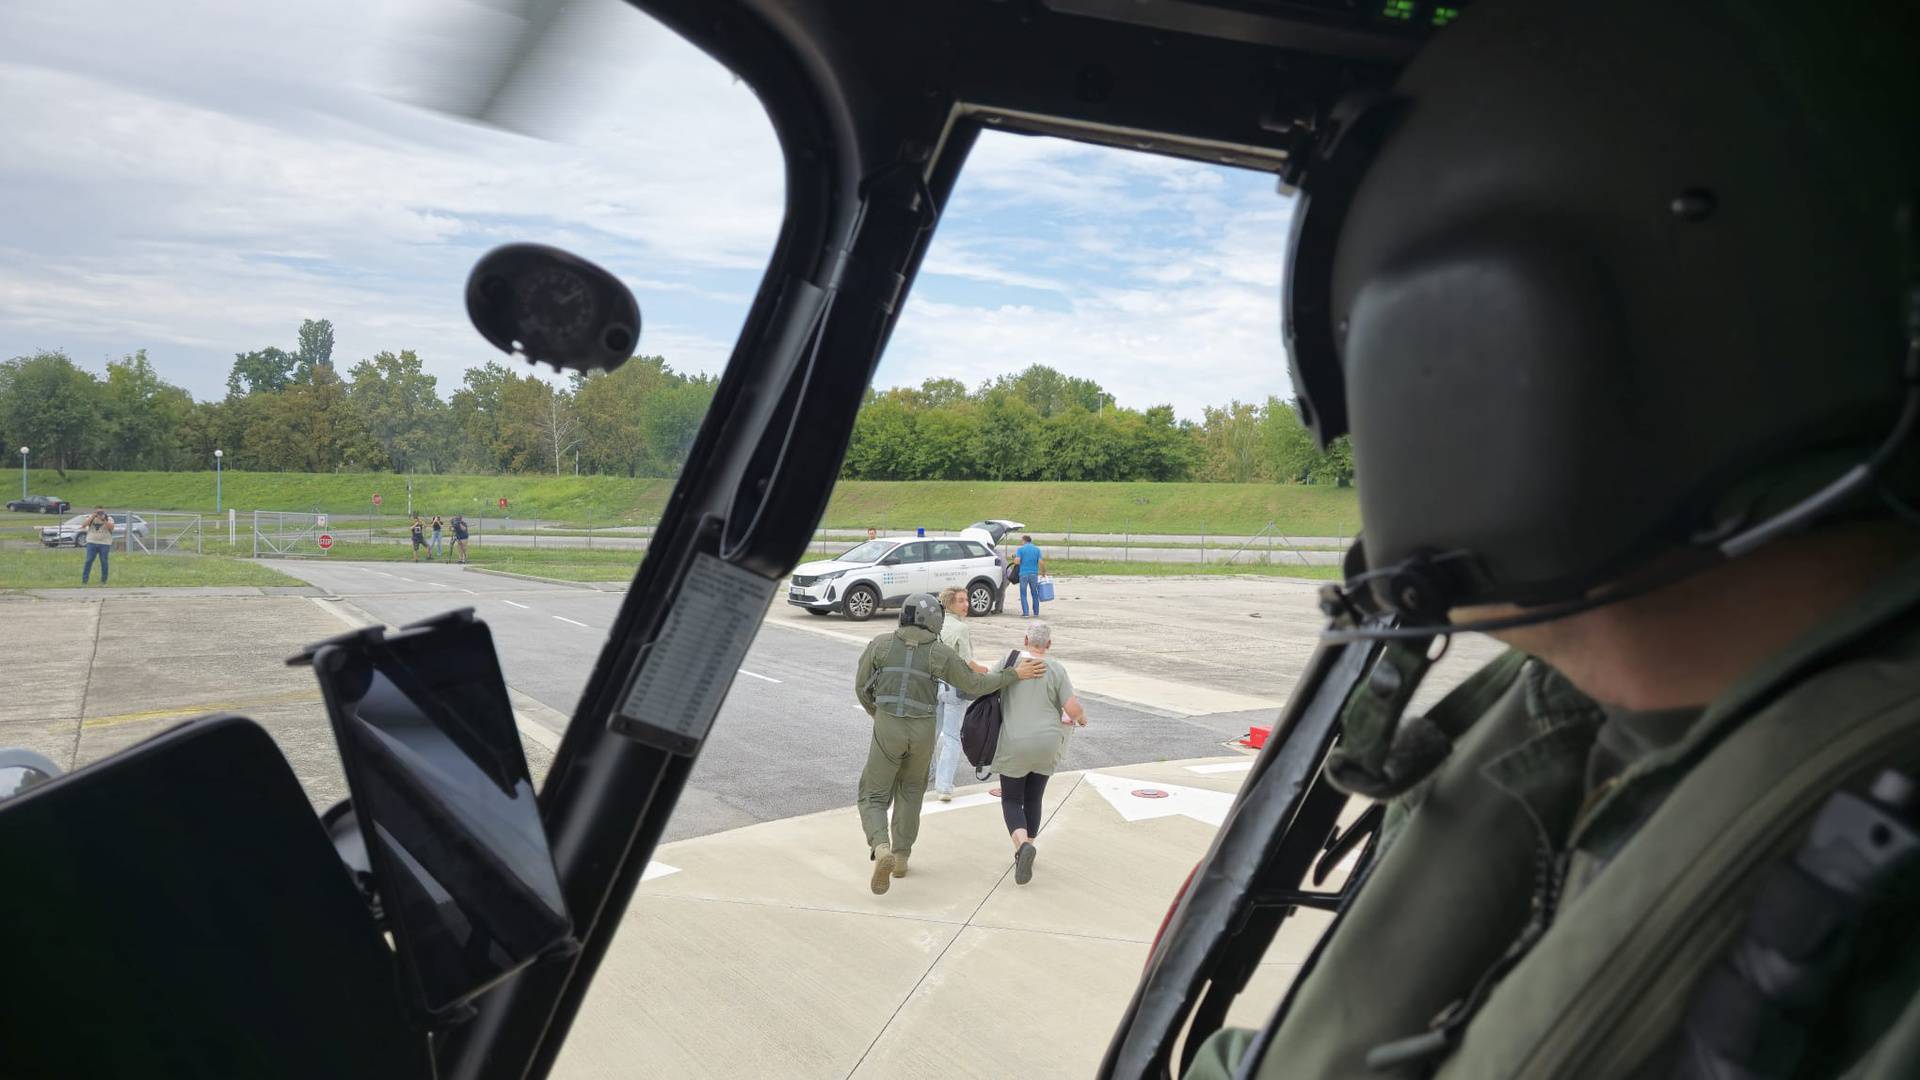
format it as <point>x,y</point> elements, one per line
<point>686,671</point>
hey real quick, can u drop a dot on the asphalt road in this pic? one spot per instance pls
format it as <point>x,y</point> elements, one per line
<point>789,740</point>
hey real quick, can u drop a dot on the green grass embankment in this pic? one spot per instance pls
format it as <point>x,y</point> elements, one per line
<point>59,568</point>
<point>1047,506</point>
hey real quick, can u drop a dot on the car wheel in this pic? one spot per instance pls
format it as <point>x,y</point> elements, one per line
<point>861,603</point>
<point>980,597</point>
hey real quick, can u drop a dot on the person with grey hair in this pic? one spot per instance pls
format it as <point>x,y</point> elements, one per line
<point>1036,719</point>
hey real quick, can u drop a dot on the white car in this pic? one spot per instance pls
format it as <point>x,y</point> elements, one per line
<point>882,573</point>
<point>71,532</point>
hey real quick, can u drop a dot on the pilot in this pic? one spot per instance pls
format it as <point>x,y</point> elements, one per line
<point>896,683</point>
<point>1623,318</point>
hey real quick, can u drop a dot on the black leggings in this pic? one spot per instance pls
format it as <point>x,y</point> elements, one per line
<point>1020,802</point>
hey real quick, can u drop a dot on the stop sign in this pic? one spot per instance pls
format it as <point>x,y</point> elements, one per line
<point>376,498</point>
<point>503,504</point>
<point>326,541</point>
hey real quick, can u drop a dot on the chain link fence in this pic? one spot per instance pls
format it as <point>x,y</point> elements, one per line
<point>278,534</point>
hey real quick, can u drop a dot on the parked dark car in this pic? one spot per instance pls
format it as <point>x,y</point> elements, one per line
<point>72,532</point>
<point>40,504</point>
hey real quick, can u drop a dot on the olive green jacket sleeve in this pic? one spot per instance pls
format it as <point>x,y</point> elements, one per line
<point>957,673</point>
<point>863,673</point>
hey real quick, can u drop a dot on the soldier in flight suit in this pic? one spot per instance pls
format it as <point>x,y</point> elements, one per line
<point>895,682</point>
<point>1623,318</point>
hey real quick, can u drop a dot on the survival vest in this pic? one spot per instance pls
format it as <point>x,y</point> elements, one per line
<point>903,683</point>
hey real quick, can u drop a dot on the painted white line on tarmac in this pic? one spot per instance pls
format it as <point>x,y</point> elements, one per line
<point>515,603</point>
<point>575,622</point>
<point>763,678</point>
<point>657,870</point>
<point>469,592</point>
<point>436,585</point>
<point>1222,767</point>
<point>983,798</point>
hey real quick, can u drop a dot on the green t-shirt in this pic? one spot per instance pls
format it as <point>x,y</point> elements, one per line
<point>1032,738</point>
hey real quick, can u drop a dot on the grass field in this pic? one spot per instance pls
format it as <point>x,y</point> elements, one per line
<point>1190,509</point>
<point>51,568</point>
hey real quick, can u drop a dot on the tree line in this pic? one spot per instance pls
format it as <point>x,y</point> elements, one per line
<point>291,410</point>
<point>1043,425</point>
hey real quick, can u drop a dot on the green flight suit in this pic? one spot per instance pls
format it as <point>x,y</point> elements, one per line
<point>1655,871</point>
<point>896,771</point>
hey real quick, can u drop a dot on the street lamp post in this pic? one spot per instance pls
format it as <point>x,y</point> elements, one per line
<point>23,472</point>
<point>217,455</point>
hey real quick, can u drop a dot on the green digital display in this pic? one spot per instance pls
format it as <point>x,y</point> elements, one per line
<point>1443,15</point>
<point>1400,10</point>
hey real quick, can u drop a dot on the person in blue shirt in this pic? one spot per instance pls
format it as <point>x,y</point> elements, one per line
<point>1030,562</point>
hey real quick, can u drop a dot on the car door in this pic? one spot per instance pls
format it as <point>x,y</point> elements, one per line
<point>912,574</point>
<point>947,564</point>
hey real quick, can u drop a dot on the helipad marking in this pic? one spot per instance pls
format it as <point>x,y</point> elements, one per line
<point>1197,803</point>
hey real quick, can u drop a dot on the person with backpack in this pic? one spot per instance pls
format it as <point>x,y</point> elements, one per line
<point>895,683</point>
<point>1035,720</point>
<point>953,704</point>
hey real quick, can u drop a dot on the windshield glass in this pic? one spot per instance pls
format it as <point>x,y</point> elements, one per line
<point>871,551</point>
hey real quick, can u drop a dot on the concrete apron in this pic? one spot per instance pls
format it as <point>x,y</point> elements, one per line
<point>761,952</point>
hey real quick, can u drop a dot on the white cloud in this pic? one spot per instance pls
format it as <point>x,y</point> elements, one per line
<point>196,177</point>
<point>199,181</point>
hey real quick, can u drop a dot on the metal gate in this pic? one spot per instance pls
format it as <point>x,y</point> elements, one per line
<point>161,532</point>
<point>287,535</point>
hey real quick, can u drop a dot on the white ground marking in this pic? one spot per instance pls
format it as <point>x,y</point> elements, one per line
<point>763,678</point>
<point>408,580</point>
<point>575,622</point>
<point>515,603</point>
<point>1196,803</point>
<point>983,798</point>
<point>657,870</point>
<point>469,592</point>
<point>1221,767</point>
<point>436,584</point>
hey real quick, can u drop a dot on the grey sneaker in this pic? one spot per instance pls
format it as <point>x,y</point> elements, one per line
<point>1023,864</point>
<point>882,869</point>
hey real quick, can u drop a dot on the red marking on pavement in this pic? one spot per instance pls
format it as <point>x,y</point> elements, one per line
<point>1149,793</point>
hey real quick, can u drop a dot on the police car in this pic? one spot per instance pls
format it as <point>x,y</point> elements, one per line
<point>881,573</point>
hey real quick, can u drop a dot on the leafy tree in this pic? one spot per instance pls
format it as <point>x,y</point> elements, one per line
<point>52,406</point>
<point>395,400</point>
<point>1049,392</point>
<point>141,416</point>
<point>268,370</point>
<point>315,350</point>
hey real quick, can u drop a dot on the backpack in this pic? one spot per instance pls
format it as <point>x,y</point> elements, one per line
<point>980,731</point>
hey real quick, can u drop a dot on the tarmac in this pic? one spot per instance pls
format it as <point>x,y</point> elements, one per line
<point>759,951</point>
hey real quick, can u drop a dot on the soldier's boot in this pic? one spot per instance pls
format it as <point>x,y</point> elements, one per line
<point>900,864</point>
<point>883,863</point>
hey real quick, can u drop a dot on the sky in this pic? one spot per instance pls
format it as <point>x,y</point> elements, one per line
<point>195,178</point>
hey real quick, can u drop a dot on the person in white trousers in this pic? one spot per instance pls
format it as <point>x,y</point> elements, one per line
<point>953,707</point>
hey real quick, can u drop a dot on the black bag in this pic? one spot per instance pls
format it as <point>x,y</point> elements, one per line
<point>980,731</point>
